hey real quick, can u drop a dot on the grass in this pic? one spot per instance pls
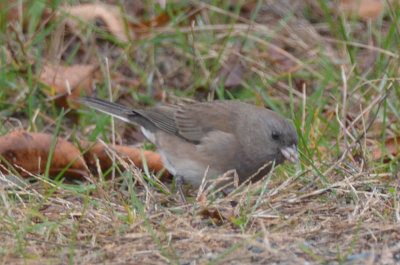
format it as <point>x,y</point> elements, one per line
<point>334,75</point>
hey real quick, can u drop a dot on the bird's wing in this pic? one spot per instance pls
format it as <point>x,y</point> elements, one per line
<point>191,122</point>
<point>195,121</point>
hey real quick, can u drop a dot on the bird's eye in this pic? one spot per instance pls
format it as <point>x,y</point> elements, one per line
<point>275,135</point>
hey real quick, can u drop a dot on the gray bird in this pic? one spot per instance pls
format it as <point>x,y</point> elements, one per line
<point>211,137</point>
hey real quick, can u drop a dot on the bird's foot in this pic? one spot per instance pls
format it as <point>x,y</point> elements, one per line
<point>178,186</point>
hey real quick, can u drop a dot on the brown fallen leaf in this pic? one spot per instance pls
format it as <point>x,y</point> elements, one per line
<point>109,14</point>
<point>215,215</point>
<point>392,145</point>
<point>62,78</point>
<point>365,9</point>
<point>233,70</point>
<point>12,12</point>
<point>15,11</point>
<point>31,150</point>
<point>280,61</point>
<point>145,26</point>
<point>153,160</point>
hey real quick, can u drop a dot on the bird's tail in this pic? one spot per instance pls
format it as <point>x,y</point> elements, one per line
<point>108,107</point>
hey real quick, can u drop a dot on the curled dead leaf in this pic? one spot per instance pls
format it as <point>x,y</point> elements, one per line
<point>31,150</point>
<point>110,15</point>
<point>153,160</point>
<point>365,9</point>
<point>66,82</point>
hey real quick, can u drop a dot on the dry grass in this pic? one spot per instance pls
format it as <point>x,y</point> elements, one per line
<point>336,77</point>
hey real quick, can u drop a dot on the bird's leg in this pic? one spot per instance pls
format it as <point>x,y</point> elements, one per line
<point>178,186</point>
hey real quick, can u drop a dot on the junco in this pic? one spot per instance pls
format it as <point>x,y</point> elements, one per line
<point>211,137</point>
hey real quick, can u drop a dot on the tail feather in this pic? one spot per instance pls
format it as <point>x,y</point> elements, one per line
<point>108,107</point>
